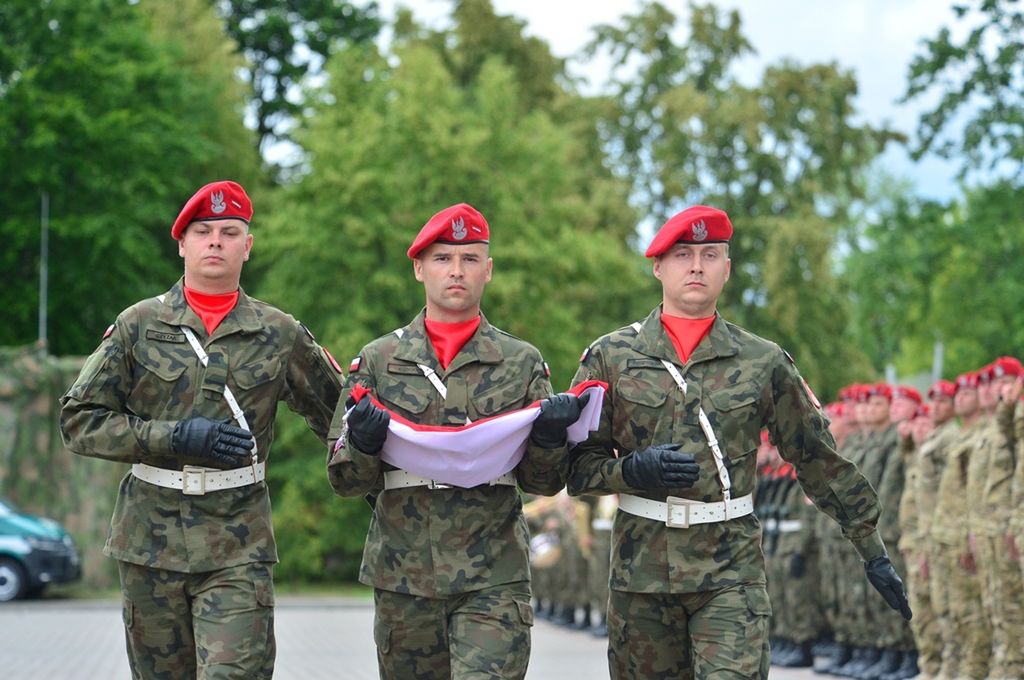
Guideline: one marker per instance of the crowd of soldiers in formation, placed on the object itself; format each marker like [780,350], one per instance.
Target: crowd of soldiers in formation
[949,473]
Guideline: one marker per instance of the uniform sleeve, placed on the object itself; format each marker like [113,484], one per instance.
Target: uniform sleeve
[1005,421]
[93,418]
[834,484]
[594,468]
[350,471]
[541,471]
[313,384]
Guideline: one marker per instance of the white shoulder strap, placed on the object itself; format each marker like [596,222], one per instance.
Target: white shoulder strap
[431,375]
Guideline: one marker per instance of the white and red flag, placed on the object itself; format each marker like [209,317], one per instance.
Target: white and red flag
[475,453]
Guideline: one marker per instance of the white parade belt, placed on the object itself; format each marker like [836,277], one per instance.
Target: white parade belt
[400,479]
[196,481]
[680,513]
[787,526]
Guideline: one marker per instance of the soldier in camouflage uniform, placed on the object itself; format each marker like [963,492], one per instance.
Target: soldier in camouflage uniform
[449,565]
[191,529]
[688,593]
[1001,577]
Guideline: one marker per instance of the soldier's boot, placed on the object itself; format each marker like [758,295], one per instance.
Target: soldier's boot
[566,616]
[546,610]
[585,622]
[780,648]
[825,645]
[908,669]
[840,656]
[600,629]
[870,658]
[887,663]
[800,656]
[856,659]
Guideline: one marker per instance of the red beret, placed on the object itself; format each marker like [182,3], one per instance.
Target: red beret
[221,200]
[907,392]
[965,380]
[697,224]
[459,224]
[878,390]
[1006,366]
[942,388]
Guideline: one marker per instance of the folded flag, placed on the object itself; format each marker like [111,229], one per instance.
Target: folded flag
[475,453]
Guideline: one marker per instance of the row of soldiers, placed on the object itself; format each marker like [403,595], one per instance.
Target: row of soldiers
[950,476]
[570,556]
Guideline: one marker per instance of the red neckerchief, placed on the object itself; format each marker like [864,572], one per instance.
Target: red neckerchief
[211,308]
[448,338]
[686,334]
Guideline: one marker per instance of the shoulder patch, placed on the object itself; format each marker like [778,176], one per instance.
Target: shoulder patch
[586,353]
[334,364]
[106,333]
[789,357]
[547,369]
[354,366]
[308,332]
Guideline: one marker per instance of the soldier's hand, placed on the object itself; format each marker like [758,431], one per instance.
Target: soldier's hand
[557,413]
[212,443]
[886,581]
[660,467]
[368,426]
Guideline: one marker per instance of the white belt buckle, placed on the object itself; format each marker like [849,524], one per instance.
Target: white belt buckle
[193,481]
[437,485]
[672,504]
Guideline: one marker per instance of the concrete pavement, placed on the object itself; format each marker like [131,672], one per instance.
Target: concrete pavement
[317,638]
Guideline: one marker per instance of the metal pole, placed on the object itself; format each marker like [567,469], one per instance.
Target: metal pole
[44,264]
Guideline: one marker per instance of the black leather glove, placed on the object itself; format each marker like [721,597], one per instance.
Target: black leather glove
[368,426]
[660,467]
[557,413]
[797,566]
[886,581]
[212,443]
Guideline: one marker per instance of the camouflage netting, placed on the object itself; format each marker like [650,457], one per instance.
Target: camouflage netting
[40,476]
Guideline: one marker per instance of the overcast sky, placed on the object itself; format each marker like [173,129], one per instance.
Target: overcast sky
[874,38]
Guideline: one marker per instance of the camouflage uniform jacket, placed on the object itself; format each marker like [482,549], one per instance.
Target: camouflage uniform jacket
[949,523]
[1017,486]
[890,483]
[744,383]
[977,475]
[145,377]
[929,461]
[997,501]
[441,542]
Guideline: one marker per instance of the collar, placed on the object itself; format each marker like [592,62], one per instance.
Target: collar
[482,347]
[175,311]
[653,341]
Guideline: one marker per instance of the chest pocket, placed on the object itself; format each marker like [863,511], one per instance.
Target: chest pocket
[256,386]
[160,381]
[507,396]
[407,394]
[735,418]
[639,410]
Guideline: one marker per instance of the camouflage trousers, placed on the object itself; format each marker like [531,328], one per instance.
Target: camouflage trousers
[892,631]
[471,636]
[1001,579]
[853,623]
[800,616]
[925,624]
[213,625]
[721,634]
[599,570]
[967,637]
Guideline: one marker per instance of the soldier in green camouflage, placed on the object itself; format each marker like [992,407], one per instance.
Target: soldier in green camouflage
[192,529]
[449,565]
[688,593]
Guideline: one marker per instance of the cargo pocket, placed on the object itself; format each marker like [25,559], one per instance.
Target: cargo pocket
[758,603]
[619,657]
[525,613]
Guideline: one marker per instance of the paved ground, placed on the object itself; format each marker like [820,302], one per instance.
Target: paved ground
[316,638]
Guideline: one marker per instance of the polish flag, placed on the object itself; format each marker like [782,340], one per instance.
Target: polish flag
[474,454]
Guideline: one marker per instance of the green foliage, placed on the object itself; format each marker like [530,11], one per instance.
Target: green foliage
[979,84]
[105,118]
[285,42]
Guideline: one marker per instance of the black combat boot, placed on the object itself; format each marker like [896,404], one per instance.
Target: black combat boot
[908,668]
[799,657]
[566,616]
[839,657]
[887,662]
[869,658]
[855,663]
[600,629]
[780,649]
[585,622]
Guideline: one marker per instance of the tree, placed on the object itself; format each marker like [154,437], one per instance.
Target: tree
[285,43]
[103,118]
[979,82]
[782,152]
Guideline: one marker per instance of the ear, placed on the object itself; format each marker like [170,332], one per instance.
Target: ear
[248,247]
[490,270]
[656,268]
[417,269]
[728,268]
[181,246]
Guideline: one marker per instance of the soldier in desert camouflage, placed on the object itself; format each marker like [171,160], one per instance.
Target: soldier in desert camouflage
[449,565]
[185,387]
[688,396]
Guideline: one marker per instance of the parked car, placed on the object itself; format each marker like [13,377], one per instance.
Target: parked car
[34,552]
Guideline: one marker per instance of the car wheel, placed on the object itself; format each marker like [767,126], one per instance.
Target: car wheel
[13,583]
